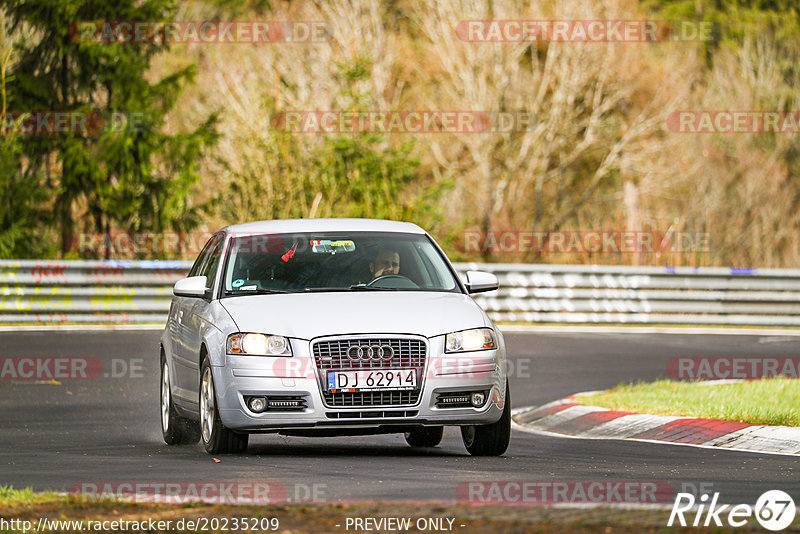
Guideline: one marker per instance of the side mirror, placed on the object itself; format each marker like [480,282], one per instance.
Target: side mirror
[479,282]
[194,286]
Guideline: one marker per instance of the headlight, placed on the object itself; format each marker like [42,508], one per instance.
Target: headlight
[259,345]
[469,340]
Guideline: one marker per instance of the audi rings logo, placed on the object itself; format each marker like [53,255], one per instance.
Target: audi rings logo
[372,352]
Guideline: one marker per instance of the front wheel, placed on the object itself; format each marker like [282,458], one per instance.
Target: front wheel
[217,439]
[425,436]
[492,439]
[176,430]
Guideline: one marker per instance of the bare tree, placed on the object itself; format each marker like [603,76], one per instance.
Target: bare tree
[589,102]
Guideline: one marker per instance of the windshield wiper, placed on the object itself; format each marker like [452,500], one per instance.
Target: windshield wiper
[324,289]
[358,287]
[354,287]
[257,291]
[264,291]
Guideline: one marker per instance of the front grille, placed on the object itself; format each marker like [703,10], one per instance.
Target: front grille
[332,355]
[371,398]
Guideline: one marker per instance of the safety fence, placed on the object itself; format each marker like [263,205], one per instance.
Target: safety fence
[40,291]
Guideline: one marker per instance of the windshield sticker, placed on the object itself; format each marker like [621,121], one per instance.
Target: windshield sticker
[238,282]
[332,247]
[248,288]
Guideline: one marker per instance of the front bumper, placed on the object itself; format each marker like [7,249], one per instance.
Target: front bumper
[243,376]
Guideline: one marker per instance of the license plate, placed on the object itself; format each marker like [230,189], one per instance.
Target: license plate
[372,379]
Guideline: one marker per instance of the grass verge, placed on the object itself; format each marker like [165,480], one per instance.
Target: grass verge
[10,497]
[26,505]
[770,401]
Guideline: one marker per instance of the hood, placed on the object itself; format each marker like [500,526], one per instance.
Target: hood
[310,315]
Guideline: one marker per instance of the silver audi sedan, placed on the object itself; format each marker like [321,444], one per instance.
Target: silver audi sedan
[331,327]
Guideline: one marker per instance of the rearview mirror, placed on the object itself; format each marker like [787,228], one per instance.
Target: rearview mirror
[480,282]
[194,286]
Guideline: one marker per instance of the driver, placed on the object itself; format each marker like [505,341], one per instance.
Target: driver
[386,261]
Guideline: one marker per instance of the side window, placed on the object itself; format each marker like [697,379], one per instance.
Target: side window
[209,269]
[437,269]
[426,269]
[201,259]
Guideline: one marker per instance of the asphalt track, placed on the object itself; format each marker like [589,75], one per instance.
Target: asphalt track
[107,429]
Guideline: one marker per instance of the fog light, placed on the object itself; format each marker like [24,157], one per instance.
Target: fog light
[257,404]
[477,399]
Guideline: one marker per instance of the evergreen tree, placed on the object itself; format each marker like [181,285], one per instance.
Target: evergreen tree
[133,176]
[20,221]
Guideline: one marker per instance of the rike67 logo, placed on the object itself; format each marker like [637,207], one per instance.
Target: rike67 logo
[774,510]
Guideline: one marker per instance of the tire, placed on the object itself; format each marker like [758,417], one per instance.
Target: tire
[492,439]
[216,438]
[177,430]
[425,436]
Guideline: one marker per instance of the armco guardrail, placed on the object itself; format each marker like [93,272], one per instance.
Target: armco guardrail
[87,291]
[623,294]
[140,292]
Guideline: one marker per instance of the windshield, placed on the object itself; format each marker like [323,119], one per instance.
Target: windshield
[327,261]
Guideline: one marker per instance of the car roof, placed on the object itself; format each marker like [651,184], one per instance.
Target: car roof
[323,225]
